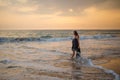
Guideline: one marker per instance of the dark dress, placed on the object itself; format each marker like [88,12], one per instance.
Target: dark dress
[75,44]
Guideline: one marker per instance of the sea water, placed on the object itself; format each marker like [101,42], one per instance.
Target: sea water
[50,50]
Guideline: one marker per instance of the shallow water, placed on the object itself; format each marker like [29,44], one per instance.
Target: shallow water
[50,59]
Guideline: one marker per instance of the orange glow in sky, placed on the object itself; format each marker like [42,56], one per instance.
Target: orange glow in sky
[59,14]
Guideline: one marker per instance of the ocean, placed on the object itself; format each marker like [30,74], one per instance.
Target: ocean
[54,35]
[45,54]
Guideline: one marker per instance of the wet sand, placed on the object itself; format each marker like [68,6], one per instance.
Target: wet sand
[48,62]
[13,71]
[90,73]
[110,62]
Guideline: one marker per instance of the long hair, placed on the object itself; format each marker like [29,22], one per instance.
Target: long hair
[75,33]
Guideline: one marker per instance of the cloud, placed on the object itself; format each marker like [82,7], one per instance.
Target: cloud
[109,4]
[66,8]
[60,13]
[53,6]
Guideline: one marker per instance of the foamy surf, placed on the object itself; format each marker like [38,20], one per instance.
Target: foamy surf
[83,61]
[51,39]
[35,54]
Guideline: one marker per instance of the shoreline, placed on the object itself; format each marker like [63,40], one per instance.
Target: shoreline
[81,72]
[51,63]
[110,63]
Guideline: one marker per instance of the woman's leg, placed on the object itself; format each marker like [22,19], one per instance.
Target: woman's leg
[73,54]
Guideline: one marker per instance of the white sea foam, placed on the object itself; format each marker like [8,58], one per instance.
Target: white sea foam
[88,62]
[40,50]
[98,36]
[52,39]
[117,77]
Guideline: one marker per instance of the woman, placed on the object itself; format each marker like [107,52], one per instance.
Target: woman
[75,43]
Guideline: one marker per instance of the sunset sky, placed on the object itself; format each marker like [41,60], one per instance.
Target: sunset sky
[59,14]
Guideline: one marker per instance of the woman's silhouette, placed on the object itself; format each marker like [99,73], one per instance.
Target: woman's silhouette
[75,43]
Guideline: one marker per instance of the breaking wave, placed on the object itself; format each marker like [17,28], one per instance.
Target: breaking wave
[51,39]
[88,62]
